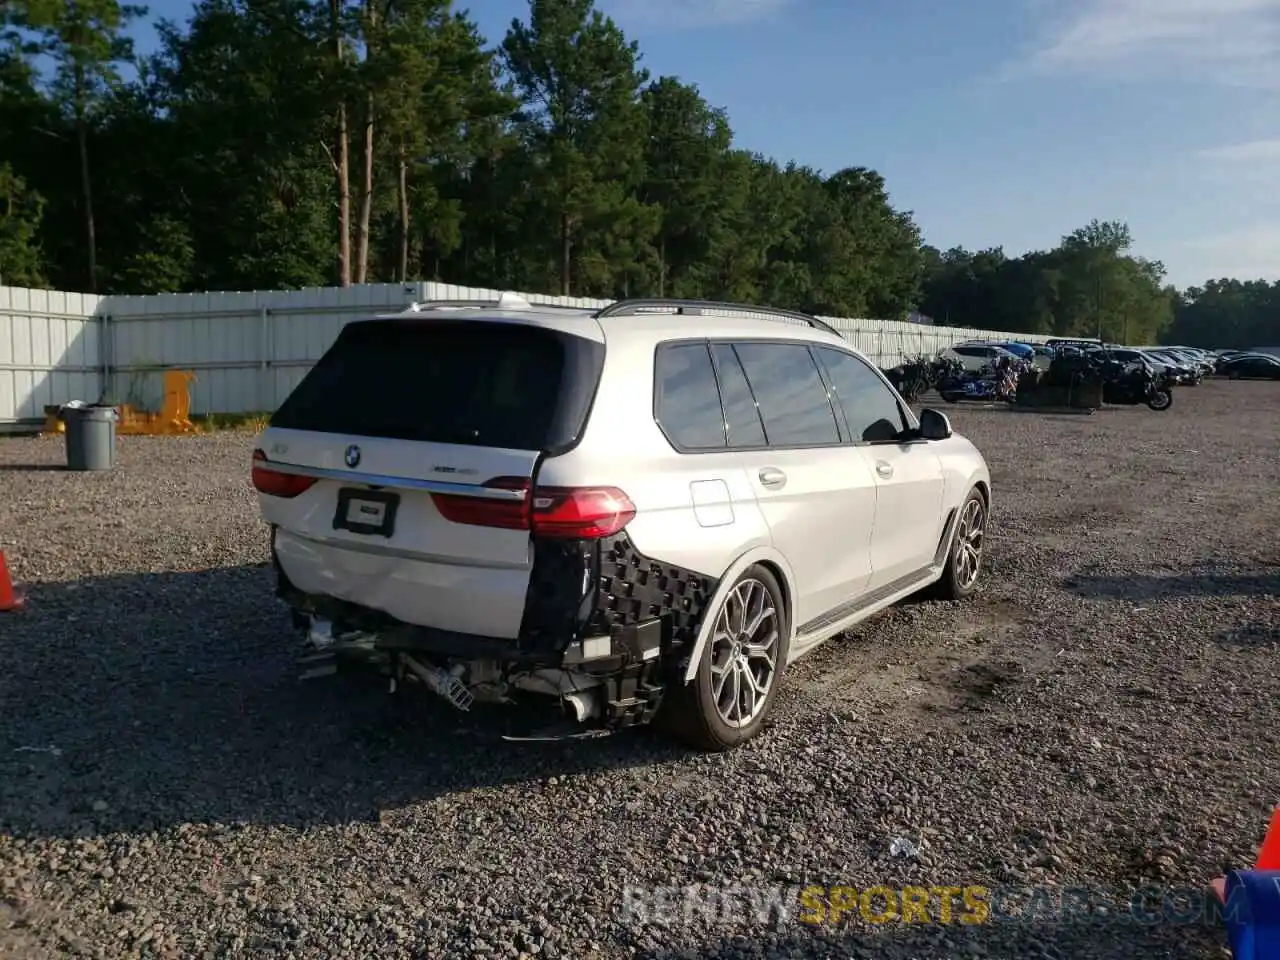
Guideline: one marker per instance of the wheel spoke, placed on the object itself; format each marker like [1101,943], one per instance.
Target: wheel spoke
[747,689]
[719,676]
[753,627]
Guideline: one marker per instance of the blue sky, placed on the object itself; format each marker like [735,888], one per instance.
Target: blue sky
[999,122]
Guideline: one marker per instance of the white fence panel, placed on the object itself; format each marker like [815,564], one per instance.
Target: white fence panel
[49,351]
[248,350]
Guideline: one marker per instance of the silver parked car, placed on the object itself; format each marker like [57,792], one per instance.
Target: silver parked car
[648,510]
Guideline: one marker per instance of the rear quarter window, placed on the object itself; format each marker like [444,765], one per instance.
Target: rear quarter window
[687,402]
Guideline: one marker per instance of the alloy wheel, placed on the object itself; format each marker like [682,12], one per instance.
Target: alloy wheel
[744,651]
[968,557]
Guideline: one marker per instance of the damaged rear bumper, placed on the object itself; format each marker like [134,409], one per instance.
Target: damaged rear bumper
[605,628]
[615,680]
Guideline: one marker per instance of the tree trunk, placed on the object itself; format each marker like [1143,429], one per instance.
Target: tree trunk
[366,197]
[366,181]
[566,252]
[341,172]
[662,265]
[342,158]
[402,198]
[82,144]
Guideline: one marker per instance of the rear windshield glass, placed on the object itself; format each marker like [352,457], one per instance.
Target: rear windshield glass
[472,383]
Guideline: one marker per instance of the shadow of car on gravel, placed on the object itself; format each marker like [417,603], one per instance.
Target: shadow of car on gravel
[1188,584]
[143,702]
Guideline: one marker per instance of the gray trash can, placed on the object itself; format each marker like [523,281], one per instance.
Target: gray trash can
[91,437]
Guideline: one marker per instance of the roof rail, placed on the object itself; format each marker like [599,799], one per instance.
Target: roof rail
[506,301]
[695,308]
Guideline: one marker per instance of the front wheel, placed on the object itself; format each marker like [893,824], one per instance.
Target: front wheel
[1161,399]
[741,668]
[964,564]
[950,396]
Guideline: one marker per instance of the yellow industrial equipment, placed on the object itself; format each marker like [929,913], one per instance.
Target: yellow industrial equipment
[175,410]
[174,416]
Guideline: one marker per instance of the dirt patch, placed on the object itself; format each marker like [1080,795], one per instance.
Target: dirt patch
[964,670]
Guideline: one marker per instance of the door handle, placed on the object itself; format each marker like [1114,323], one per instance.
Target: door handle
[884,469]
[772,477]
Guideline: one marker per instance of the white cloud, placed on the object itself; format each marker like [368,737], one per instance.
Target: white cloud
[1229,41]
[1247,254]
[1260,152]
[692,14]
[1248,171]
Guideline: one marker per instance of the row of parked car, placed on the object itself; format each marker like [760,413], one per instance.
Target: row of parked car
[1185,365]
[1246,365]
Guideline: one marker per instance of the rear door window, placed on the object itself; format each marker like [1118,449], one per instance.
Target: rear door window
[475,383]
[687,406]
[792,398]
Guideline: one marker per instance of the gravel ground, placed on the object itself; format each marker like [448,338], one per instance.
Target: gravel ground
[1103,714]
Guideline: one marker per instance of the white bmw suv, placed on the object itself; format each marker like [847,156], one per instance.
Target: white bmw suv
[646,511]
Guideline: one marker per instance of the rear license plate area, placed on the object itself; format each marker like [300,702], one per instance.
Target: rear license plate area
[368,512]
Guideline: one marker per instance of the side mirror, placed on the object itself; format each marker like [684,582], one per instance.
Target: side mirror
[934,425]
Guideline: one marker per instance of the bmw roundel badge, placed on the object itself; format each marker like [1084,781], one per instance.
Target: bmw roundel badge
[352,456]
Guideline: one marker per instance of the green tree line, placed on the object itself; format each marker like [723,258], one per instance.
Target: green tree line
[288,143]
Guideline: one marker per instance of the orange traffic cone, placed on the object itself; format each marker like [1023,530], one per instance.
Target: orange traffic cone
[1269,853]
[10,598]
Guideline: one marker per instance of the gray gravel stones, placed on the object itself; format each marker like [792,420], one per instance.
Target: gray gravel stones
[1103,714]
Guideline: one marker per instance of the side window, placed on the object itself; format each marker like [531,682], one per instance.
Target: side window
[792,397]
[969,351]
[740,413]
[870,408]
[688,401]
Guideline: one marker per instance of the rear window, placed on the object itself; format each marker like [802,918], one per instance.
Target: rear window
[475,383]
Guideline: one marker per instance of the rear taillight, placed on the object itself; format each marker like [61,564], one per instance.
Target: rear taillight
[564,513]
[485,511]
[580,513]
[274,483]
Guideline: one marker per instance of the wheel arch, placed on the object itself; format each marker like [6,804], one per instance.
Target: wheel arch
[984,488]
[775,563]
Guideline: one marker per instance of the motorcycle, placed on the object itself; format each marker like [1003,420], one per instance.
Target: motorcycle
[917,375]
[1136,385]
[910,378]
[999,385]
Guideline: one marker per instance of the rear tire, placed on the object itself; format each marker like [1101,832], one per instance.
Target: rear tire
[950,397]
[728,701]
[964,564]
